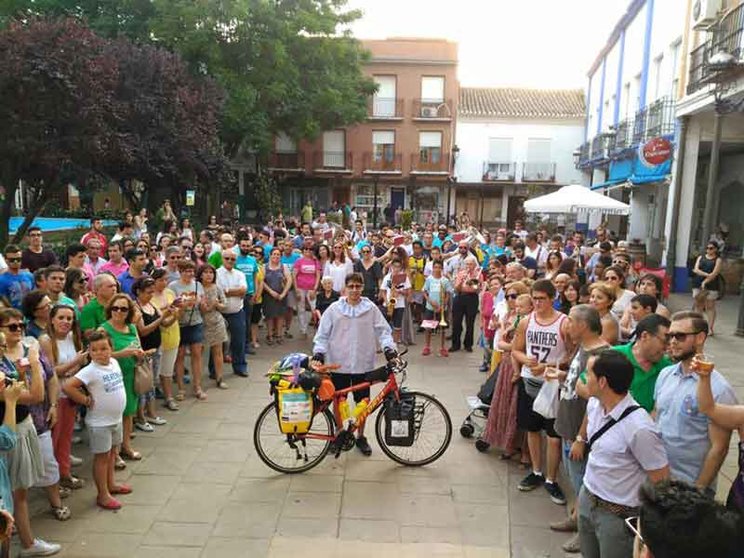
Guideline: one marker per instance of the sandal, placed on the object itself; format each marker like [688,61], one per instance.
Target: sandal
[171,404]
[64,492]
[112,504]
[157,421]
[61,513]
[130,455]
[200,395]
[72,483]
[269,340]
[121,489]
[180,396]
[221,384]
[120,464]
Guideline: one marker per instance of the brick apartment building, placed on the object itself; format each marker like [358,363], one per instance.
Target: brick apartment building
[403,151]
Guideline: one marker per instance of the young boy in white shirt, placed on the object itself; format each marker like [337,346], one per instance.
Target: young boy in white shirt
[105,401]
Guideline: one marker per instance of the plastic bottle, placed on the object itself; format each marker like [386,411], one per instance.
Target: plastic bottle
[343,408]
[360,407]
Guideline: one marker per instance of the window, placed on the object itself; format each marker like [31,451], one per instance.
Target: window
[430,147]
[636,93]
[284,144]
[333,149]
[384,100]
[626,101]
[432,89]
[383,146]
[656,91]
[499,166]
[674,69]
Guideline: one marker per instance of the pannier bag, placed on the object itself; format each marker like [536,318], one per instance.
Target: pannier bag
[400,424]
[294,407]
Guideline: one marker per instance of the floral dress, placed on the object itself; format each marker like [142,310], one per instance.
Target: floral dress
[215,331]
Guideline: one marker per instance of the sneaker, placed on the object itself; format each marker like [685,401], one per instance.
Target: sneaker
[157,421]
[426,351]
[483,367]
[573,545]
[556,494]
[40,548]
[144,426]
[75,461]
[568,525]
[363,446]
[531,482]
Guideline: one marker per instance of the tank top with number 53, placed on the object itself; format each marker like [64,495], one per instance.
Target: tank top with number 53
[544,342]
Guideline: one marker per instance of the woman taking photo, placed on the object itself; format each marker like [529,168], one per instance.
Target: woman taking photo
[215,332]
[170,335]
[615,278]
[602,297]
[190,295]
[36,307]
[277,282]
[148,327]
[63,347]
[706,284]
[119,325]
[25,463]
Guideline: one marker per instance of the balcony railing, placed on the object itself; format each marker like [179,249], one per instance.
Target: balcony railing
[660,119]
[333,161]
[600,146]
[623,137]
[585,153]
[392,163]
[726,37]
[538,172]
[432,109]
[422,163]
[639,126]
[499,171]
[385,108]
[282,160]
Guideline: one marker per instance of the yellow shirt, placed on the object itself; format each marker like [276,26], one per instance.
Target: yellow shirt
[416,267]
[259,279]
[170,336]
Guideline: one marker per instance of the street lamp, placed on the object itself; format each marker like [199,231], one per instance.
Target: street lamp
[451,179]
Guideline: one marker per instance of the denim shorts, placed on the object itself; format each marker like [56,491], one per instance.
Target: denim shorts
[192,335]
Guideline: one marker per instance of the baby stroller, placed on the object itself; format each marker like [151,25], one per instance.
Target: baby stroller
[479,405]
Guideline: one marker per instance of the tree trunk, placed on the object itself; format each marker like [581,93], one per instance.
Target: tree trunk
[40,199]
[6,208]
[134,201]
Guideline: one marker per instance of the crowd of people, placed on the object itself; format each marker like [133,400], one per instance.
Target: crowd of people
[173,309]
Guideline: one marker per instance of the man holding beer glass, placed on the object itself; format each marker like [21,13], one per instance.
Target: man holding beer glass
[695,445]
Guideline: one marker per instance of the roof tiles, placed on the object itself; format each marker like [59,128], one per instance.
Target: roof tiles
[512,102]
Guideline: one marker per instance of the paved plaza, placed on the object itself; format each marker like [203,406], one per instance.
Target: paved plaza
[201,491]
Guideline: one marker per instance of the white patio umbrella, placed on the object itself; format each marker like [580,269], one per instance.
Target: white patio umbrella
[576,198]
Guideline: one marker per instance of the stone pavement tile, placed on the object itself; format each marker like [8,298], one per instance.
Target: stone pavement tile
[312,504]
[191,511]
[224,451]
[484,524]
[372,470]
[132,519]
[60,532]
[210,471]
[487,552]
[261,490]
[104,545]
[167,552]
[308,547]
[201,492]
[218,547]
[237,431]
[369,530]
[421,534]
[316,483]
[248,520]
[151,489]
[210,411]
[172,441]
[429,550]
[491,494]
[410,484]
[535,511]
[198,425]
[177,534]
[369,500]
[532,541]
[168,461]
[427,510]
[311,527]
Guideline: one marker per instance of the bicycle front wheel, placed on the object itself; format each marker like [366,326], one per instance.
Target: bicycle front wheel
[433,432]
[291,453]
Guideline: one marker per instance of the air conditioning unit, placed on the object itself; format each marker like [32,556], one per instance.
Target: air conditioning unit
[705,13]
[429,112]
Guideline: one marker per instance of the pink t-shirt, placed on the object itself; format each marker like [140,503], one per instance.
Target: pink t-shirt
[114,268]
[306,269]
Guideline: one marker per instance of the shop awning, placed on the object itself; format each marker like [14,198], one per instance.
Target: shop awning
[608,183]
[574,198]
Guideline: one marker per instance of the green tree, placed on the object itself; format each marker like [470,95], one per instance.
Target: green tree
[286,65]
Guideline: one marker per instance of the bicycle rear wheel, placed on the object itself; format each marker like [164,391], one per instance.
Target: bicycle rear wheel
[433,432]
[290,453]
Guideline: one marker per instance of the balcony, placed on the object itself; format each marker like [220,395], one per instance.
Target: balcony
[600,147]
[660,118]
[499,172]
[724,37]
[538,172]
[436,110]
[623,137]
[285,161]
[639,126]
[385,108]
[329,162]
[428,163]
[585,151]
[388,163]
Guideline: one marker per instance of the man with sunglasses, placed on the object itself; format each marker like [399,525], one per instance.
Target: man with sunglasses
[15,283]
[234,285]
[696,445]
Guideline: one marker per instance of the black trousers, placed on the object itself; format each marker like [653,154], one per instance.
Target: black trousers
[464,305]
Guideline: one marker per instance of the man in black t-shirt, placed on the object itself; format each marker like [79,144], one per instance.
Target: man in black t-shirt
[527,262]
[36,256]
[371,271]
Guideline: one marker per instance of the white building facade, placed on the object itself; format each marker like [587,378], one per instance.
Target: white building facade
[631,131]
[514,143]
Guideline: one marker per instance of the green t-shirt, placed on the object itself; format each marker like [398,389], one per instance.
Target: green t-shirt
[215,259]
[644,383]
[93,315]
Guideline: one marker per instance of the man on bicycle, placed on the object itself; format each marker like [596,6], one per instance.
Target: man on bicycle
[345,337]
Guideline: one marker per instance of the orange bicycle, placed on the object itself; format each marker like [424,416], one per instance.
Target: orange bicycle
[414,429]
